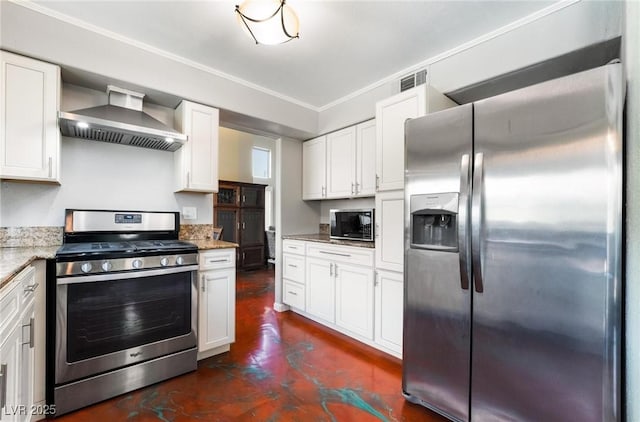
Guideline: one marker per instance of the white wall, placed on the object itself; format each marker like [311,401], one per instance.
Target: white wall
[293,215]
[631,43]
[31,33]
[101,175]
[235,162]
[356,203]
[575,26]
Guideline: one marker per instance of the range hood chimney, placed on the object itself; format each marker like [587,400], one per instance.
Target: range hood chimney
[122,121]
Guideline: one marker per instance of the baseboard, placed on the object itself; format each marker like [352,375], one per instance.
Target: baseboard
[280,307]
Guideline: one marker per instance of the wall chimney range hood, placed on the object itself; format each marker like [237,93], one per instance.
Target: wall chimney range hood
[122,121]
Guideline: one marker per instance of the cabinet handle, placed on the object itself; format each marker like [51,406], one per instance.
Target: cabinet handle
[377,230]
[238,225]
[377,182]
[3,386]
[323,192]
[204,279]
[188,179]
[211,261]
[352,188]
[293,293]
[243,225]
[243,255]
[331,269]
[294,266]
[31,331]
[50,167]
[336,253]
[244,199]
[335,270]
[357,187]
[31,287]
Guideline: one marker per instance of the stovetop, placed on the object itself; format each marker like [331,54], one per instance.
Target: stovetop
[138,247]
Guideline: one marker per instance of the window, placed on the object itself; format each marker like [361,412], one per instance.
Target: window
[261,163]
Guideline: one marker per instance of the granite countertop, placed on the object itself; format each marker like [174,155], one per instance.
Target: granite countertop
[324,238]
[14,260]
[206,244]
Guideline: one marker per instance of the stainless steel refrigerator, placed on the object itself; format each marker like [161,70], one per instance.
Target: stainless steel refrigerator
[513,228]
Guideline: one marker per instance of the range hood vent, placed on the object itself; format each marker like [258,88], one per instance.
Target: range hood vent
[122,121]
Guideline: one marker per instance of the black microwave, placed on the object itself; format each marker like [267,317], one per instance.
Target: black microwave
[352,224]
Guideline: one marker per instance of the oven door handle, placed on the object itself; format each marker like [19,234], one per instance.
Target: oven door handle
[124,275]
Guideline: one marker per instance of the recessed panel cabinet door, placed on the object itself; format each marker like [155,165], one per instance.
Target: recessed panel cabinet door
[320,289]
[341,161]
[217,308]
[389,305]
[366,158]
[10,351]
[29,135]
[390,231]
[252,227]
[354,298]
[314,168]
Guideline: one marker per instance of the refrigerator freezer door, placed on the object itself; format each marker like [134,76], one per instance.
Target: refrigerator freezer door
[436,348]
[546,327]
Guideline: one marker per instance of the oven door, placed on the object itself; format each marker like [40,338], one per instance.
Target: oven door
[109,321]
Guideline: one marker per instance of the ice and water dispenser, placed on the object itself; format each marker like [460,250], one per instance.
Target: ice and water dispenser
[434,221]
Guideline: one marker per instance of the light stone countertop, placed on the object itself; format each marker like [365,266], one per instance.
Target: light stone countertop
[14,260]
[206,244]
[324,238]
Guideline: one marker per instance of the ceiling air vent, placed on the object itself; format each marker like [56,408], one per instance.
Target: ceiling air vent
[413,80]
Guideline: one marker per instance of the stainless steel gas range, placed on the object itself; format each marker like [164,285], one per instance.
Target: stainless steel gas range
[124,306]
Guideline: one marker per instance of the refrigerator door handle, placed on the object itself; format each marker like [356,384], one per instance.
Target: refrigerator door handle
[463,222]
[476,220]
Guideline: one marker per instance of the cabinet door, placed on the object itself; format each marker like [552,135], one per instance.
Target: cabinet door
[251,257]
[390,231]
[389,306]
[314,166]
[229,220]
[391,114]
[10,353]
[27,359]
[252,196]
[341,161]
[227,196]
[216,321]
[366,158]
[320,289]
[29,102]
[251,227]
[197,160]
[354,299]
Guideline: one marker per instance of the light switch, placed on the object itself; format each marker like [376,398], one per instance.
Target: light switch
[189,213]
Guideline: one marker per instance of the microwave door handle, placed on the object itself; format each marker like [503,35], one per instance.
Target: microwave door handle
[463,222]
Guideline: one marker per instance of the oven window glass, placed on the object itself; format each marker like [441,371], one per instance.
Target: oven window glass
[109,316]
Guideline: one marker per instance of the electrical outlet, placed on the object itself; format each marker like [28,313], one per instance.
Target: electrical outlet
[189,213]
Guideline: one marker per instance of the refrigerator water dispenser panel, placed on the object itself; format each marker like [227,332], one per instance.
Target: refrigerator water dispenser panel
[434,221]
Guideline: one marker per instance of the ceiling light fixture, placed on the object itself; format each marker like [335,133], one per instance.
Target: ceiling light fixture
[268,21]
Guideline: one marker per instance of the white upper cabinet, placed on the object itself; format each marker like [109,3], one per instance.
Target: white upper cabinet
[29,135]
[390,231]
[314,168]
[391,114]
[196,163]
[341,163]
[366,158]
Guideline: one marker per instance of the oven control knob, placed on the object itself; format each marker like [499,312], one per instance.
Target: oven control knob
[86,267]
[164,262]
[179,260]
[106,266]
[137,263]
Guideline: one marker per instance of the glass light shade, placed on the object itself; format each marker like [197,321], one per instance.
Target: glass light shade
[268,21]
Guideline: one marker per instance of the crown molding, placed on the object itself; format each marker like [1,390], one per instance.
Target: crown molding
[154,50]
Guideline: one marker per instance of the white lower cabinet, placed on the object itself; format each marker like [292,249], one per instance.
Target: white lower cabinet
[216,302]
[354,298]
[320,289]
[21,381]
[294,294]
[389,306]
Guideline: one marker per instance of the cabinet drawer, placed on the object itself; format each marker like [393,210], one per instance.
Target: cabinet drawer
[293,267]
[293,246]
[15,296]
[293,294]
[346,254]
[217,258]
